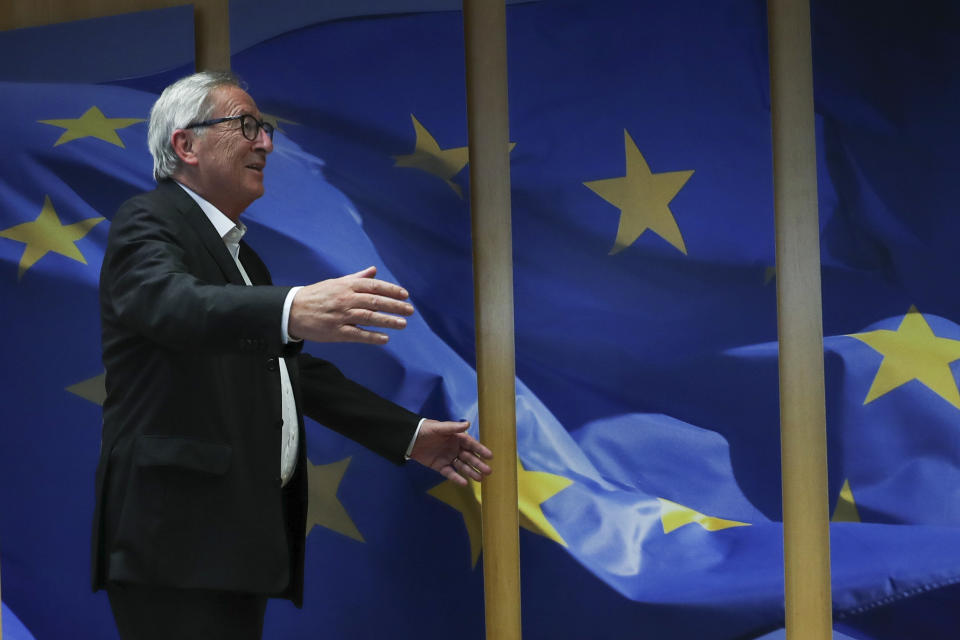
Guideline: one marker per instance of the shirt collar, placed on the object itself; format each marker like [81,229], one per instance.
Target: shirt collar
[227,229]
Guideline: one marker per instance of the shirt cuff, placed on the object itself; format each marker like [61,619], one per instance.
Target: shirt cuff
[285,320]
[413,440]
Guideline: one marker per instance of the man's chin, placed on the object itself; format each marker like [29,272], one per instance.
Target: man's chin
[249,195]
[256,189]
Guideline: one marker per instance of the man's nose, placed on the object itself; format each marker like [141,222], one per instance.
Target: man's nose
[263,141]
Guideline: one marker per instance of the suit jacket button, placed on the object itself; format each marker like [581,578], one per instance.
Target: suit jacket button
[272,364]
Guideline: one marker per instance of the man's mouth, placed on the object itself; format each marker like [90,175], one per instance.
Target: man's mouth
[256,167]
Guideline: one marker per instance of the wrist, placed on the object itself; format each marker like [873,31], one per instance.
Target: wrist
[413,440]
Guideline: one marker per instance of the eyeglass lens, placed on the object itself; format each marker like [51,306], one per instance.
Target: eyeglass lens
[251,128]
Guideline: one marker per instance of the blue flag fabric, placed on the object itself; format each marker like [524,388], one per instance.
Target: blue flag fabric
[53,201]
[13,629]
[646,335]
[655,354]
[157,45]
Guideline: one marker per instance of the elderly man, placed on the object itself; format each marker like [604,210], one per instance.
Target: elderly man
[201,487]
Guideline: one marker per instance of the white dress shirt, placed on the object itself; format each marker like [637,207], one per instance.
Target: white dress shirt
[232,233]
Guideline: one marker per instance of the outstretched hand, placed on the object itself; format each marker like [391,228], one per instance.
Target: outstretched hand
[448,448]
[335,310]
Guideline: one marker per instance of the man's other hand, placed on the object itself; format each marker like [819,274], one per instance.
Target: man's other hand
[335,310]
[448,448]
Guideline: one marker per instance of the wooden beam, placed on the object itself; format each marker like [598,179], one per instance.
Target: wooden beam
[488,125]
[803,442]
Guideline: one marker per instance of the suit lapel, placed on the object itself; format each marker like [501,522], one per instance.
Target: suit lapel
[204,229]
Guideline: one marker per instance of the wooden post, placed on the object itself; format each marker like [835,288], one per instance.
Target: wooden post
[487,119]
[806,524]
[211,24]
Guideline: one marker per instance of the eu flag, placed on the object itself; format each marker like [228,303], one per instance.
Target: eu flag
[646,334]
[646,321]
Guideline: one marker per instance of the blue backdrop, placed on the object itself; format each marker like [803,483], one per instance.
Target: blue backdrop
[645,316]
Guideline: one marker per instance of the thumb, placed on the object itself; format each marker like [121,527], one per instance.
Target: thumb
[369,272]
[457,427]
[446,427]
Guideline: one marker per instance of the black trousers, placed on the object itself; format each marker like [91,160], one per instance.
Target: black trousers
[145,612]
[162,613]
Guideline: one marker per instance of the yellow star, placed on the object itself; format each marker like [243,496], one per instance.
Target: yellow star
[46,234]
[325,509]
[533,488]
[92,389]
[673,516]
[913,352]
[643,198]
[846,510]
[428,156]
[92,124]
[466,500]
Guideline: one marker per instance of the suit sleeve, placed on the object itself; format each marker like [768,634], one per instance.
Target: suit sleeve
[150,285]
[351,409]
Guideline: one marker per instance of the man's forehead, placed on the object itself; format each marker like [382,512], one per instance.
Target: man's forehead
[231,101]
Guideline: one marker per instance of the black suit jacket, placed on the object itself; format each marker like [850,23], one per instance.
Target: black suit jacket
[188,483]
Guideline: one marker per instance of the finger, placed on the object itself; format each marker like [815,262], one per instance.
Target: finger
[453,427]
[382,303]
[465,469]
[451,475]
[350,333]
[475,462]
[369,318]
[380,287]
[482,451]
[369,272]
[475,446]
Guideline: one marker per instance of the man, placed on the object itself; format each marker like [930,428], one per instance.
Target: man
[201,487]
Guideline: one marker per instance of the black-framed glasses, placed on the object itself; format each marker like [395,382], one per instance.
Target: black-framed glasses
[249,126]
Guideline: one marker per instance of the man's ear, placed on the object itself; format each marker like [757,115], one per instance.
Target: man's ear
[182,143]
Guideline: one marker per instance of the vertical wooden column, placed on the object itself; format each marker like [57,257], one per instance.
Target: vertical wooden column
[211,24]
[803,443]
[486,60]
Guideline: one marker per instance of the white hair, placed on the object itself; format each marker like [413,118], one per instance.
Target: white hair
[185,101]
